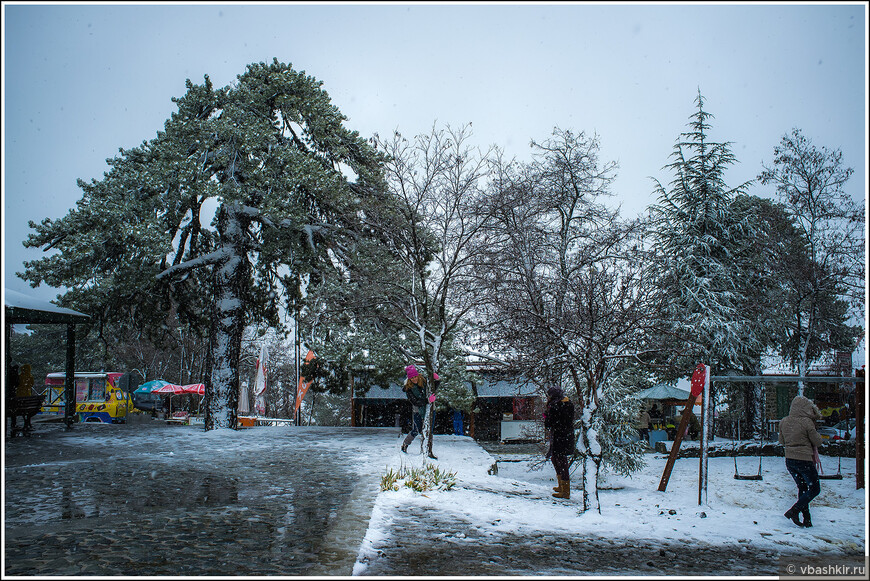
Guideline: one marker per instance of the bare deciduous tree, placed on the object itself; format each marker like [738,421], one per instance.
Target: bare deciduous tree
[438,178]
[566,281]
[810,182]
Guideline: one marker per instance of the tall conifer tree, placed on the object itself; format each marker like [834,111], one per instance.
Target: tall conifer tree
[700,234]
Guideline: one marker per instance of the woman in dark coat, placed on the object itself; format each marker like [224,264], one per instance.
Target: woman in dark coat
[559,421]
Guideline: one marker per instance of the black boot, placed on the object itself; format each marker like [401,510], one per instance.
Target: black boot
[793,513]
[806,514]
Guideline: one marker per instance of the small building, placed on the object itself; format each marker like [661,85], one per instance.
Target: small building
[505,408]
[826,396]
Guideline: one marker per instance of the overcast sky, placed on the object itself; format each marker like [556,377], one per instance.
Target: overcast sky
[81,81]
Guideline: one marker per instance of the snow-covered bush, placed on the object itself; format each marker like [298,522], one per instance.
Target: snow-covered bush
[427,477]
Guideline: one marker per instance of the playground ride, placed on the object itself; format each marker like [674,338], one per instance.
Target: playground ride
[97,395]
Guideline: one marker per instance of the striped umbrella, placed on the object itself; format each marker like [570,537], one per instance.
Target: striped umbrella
[172,389]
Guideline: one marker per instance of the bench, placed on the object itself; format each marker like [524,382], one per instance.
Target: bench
[25,406]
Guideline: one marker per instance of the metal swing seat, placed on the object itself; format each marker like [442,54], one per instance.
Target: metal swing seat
[837,476]
[737,474]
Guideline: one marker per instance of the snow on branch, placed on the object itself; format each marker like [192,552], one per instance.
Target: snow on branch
[486,356]
[212,258]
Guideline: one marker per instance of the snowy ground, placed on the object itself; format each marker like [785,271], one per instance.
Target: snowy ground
[507,518]
[108,500]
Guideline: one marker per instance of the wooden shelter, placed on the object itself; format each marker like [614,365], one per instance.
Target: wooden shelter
[22,309]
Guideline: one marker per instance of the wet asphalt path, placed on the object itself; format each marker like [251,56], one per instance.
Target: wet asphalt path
[429,544]
[104,500]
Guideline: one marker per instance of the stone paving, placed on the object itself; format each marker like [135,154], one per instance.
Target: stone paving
[123,500]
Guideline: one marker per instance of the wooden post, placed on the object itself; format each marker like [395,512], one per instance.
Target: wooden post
[675,448]
[860,394]
[352,404]
[69,390]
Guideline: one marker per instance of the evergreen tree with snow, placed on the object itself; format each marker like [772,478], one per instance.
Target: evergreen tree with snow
[295,193]
[615,422]
[700,234]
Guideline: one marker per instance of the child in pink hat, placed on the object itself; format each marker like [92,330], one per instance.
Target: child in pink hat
[416,391]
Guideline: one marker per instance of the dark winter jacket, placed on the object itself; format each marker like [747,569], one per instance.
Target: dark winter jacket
[559,419]
[416,393]
[694,425]
[797,431]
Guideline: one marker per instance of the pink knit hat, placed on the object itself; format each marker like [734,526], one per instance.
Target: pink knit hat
[411,372]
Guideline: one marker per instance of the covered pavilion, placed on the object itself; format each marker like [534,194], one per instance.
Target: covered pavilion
[22,309]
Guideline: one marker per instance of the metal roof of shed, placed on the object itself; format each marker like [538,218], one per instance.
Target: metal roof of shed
[21,308]
[486,388]
[663,391]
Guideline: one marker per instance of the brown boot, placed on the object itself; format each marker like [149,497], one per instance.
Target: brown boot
[566,489]
[559,487]
[408,439]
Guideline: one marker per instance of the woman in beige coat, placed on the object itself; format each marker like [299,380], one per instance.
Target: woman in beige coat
[797,432]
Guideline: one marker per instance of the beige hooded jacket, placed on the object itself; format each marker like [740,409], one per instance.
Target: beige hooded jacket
[797,431]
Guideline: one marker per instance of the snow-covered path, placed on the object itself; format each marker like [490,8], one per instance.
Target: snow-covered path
[508,524]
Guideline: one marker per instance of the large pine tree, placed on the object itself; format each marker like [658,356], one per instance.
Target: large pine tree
[704,232]
[700,234]
[294,192]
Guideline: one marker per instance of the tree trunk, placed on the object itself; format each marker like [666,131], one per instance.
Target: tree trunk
[429,423]
[229,321]
[753,396]
[805,346]
[590,455]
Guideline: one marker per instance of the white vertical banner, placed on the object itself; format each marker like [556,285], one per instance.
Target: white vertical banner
[244,405]
[260,382]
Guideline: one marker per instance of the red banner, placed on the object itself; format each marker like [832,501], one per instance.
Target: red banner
[699,377]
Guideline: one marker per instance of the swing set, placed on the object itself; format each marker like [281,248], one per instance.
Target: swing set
[702,380]
[740,379]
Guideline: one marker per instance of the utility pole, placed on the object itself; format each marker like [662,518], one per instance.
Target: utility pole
[297,414]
